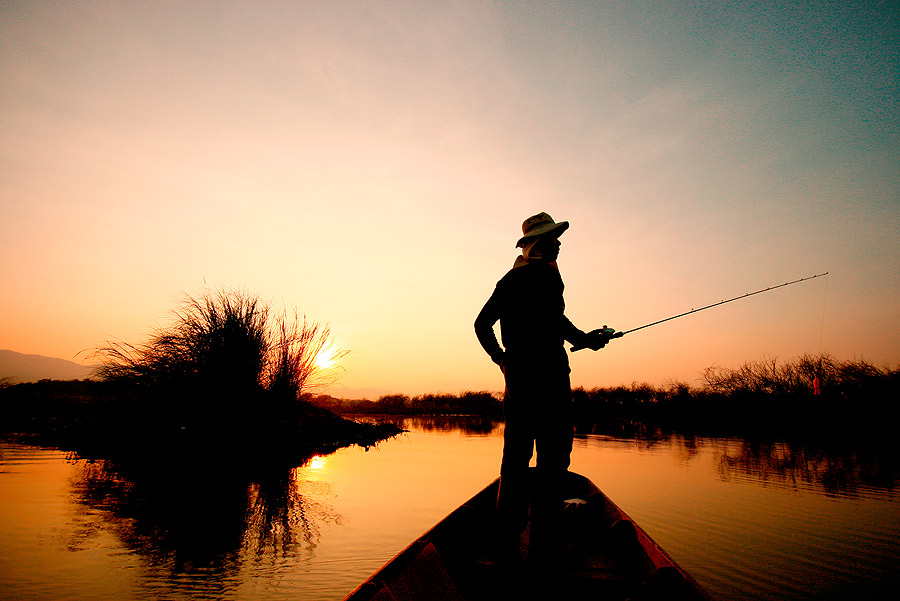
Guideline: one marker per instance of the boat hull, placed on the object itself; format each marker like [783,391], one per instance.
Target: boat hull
[597,551]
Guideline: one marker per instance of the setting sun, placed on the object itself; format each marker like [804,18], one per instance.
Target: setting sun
[324,359]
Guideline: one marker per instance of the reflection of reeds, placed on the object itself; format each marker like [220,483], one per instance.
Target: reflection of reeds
[862,468]
[196,526]
[285,514]
[468,425]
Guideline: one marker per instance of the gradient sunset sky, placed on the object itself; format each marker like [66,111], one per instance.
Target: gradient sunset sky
[370,163]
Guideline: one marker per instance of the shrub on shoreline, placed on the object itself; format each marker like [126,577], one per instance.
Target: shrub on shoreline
[224,341]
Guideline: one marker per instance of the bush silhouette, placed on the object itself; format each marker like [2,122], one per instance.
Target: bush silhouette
[226,365]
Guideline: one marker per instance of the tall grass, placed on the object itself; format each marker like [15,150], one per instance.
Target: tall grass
[217,341]
[808,393]
[803,377]
[292,354]
[226,362]
[225,340]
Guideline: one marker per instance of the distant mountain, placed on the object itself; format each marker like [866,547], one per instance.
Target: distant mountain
[31,368]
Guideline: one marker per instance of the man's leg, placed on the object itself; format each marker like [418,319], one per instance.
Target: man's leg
[554,439]
[512,496]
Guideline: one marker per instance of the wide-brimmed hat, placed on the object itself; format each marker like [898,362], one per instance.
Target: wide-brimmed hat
[541,224]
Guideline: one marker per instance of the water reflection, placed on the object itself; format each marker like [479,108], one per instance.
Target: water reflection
[625,429]
[843,470]
[189,521]
[285,515]
[467,425]
[746,517]
[834,465]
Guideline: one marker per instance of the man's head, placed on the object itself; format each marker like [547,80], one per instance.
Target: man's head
[541,237]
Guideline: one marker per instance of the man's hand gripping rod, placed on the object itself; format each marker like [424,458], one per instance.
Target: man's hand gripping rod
[610,333]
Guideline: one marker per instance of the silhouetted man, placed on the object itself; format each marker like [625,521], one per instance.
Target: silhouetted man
[528,303]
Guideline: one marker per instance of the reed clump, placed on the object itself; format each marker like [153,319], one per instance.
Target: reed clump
[224,341]
[805,376]
[230,372]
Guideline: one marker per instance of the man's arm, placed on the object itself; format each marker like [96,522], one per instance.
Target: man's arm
[484,329]
[573,334]
[594,340]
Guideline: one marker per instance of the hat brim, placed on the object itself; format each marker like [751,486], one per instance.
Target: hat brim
[555,230]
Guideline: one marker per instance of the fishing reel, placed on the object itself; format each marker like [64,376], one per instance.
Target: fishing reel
[609,333]
[604,334]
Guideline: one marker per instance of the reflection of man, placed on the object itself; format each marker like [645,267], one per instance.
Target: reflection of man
[528,303]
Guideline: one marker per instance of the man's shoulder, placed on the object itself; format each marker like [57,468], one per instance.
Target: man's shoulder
[529,272]
[531,269]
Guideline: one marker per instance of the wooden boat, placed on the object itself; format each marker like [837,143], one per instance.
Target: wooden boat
[600,554]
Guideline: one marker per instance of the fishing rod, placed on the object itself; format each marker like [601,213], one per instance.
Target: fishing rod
[611,333]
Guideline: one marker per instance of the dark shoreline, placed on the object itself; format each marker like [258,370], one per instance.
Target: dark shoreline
[816,439]
[812,398]
[104,420]
[810,395]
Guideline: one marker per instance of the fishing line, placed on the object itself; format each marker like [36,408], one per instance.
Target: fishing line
[824,302]
[610,333]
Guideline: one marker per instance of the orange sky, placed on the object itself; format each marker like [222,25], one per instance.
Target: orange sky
[370,163]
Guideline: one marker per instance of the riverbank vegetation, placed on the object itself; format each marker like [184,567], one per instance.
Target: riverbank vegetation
[768,396]
[228,374]
[805,394]
[225,379]
[483,403]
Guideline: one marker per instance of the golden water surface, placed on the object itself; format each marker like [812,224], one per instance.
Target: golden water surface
[749,521]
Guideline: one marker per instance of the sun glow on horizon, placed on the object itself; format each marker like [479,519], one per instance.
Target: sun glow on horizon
[325,359]
[316,463]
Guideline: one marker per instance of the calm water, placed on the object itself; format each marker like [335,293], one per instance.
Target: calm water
[748,521]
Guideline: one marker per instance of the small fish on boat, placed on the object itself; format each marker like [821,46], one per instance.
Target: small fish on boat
[600,554]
